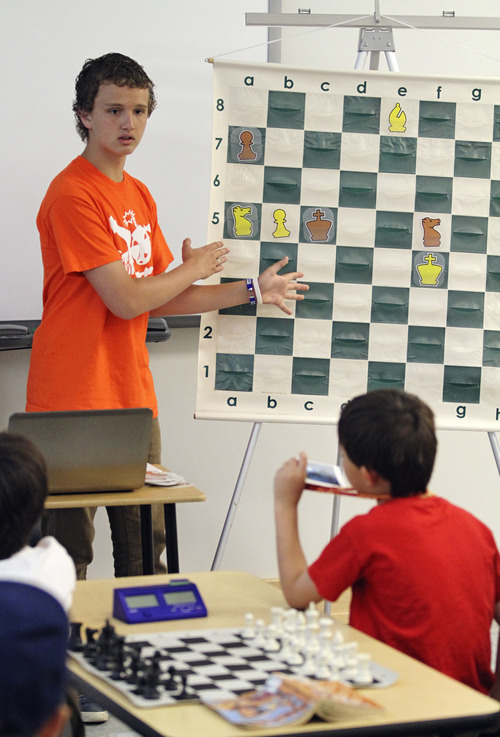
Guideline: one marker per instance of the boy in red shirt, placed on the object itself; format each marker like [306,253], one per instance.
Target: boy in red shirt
[425,574]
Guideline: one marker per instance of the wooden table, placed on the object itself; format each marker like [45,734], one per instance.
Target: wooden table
[169,496]
[422,701]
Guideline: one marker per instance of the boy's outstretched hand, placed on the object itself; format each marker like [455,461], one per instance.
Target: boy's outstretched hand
[207,260]
[290,481]
[276,288]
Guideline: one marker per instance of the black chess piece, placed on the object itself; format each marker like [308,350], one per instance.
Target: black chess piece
[140,684]
[183,695]
[90,650]
[135,667]
[171,683]
[108,632]
[155,663]
[106,644]
[150,689]
[119,670]
[75,642]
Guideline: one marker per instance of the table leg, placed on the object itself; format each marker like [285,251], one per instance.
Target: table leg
[148,567]
[171,538]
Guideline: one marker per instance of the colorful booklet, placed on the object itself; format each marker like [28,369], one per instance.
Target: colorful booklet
[324,475]
[293,700]
[332,479]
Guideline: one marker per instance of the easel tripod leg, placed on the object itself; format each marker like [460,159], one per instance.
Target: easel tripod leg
[495,448]
[236,496]
[334,528]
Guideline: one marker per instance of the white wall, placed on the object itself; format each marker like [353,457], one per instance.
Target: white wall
[43,43]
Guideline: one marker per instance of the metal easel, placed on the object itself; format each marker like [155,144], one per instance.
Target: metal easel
[375,37]
[371,42]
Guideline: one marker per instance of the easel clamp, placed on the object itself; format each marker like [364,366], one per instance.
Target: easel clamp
[376,39]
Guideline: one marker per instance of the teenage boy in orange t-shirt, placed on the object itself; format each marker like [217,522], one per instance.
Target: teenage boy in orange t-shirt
[105,259]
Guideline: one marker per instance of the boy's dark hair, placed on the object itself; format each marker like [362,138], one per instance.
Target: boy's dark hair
[111,68]
[23,488]
[393,433]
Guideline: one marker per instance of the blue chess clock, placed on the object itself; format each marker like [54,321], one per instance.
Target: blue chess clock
[177,599]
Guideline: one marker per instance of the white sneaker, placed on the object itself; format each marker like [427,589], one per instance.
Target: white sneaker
[90,712]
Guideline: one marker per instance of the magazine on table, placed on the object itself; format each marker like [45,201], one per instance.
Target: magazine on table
[292,700]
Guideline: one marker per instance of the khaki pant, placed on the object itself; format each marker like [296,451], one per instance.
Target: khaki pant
[74,528]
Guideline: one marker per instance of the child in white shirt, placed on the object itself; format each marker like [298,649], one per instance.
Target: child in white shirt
[23,489]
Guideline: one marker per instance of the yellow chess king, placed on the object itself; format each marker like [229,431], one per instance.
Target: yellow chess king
[429,272]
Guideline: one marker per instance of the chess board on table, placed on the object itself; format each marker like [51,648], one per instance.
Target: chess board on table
[384,190]
[196,665]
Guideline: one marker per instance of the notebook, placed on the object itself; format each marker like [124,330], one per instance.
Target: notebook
[90,450]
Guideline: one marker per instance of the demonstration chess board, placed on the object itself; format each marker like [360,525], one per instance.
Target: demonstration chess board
[384,190]
[168,668]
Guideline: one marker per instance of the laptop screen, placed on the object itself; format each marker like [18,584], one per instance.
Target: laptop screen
[90,450]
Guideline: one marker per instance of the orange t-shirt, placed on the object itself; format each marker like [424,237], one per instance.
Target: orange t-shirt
[83,356]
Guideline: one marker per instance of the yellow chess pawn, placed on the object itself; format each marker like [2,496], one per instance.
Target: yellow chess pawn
[397,119]
[280,220]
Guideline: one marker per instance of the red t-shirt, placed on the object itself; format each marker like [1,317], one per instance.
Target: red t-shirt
[83,356]
[425,578]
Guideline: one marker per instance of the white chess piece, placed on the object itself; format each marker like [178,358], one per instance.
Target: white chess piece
[249,630]
[364,675]
[290,621]
[326,625]
[312,614]
[339,656]
[338,638]
[323,670]
[271,644]
[286,649]
[295,657]
[260,639]
[335,673]
[277,614]
[351,664]
[312,633]
[301,618]
[325,641]
[309,665]
[300,635]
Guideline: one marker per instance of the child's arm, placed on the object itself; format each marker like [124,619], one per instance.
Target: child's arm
[495,691]
[298,587]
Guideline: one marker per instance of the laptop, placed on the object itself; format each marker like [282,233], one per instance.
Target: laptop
[90,450]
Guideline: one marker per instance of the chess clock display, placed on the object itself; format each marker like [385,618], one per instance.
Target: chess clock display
[177,599]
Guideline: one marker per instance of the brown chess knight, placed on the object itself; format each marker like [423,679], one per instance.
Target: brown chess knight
[432,237]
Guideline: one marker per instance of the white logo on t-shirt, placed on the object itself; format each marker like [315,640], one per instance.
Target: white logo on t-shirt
[137,241]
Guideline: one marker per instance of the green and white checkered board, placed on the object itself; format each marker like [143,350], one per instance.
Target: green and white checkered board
[384,190]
